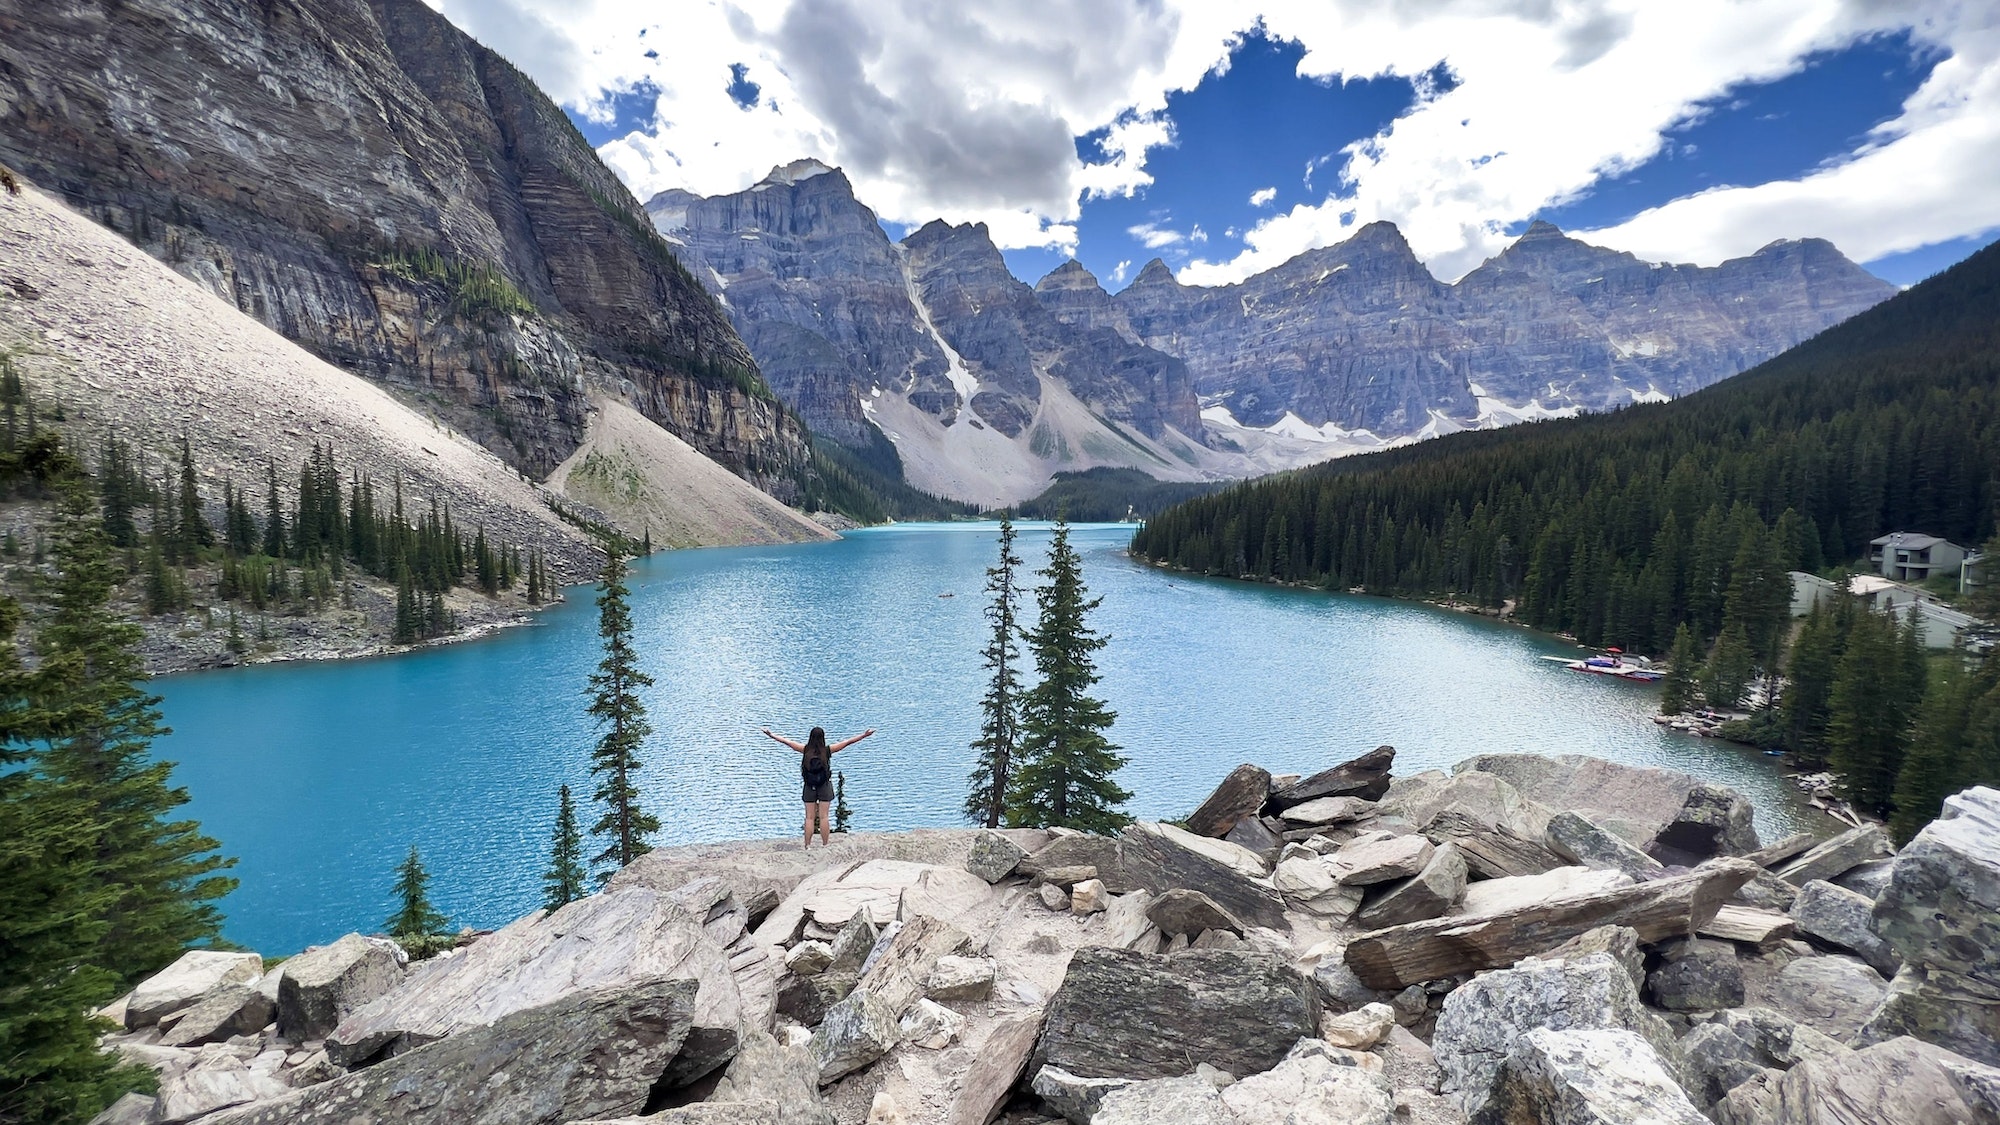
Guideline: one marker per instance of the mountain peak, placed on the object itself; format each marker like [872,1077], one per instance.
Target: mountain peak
[1069,275]
[803,169]
[1541,228]
[1156,272]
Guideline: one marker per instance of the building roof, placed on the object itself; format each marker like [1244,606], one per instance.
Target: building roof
[1865,584]
[1908,540]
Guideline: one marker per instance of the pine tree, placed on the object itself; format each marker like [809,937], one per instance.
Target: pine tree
[52,921]
[416,924]
[1870,711]
[1934,767]
[274,513]
[566,879]
[617,707]
[1679,690]
[121,490]
[841,813]
[535,577]
[1809,686]
[161,873]
[1732,663]
[1000,727]
[189,522]
[1063,775]
[408,622]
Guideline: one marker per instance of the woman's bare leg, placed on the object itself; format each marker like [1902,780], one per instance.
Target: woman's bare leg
[812,808]
[825,824]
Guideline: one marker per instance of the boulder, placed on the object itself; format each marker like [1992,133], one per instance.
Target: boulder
[1942,907]
[855,1032]
[129,1109]
[961,978]
[1696,976]
[1316,1084]
[1979,1087]
[1358,1030]
[620,938]
[1379,857]
[1766,891]
[1474,798]
[1484,1018]
[231,1009]
[1122,1014]
[1903,1081]
[1366,777]
[900,971]
[808,958]
[1254,835]
[1073,1096]
[1491,851]
[1053,897]
[1748,926]
[1183,1101]
[1307,883]
[1340,990]
[321,987]
[1738,1044]
[930,1025]
[1598,1076]
[1427,894]
[1126,924]
[994,857]
[888,889]
[596,1053]
[1868,879]
[805,1000]
[767,1081]
[1939,1008]
[1517,892]
[1328,810]
[852,945]
[213,1084]
[1838,918]
[1160,858]
[184,982]
[1670,815]
[1579,839]
[1834,857]
[1105,853]
[1832,995]
[996,1068]
[1240,796]
[1773,854]
[1064,877]
[1621,942]
[1087,897]
[1190,912]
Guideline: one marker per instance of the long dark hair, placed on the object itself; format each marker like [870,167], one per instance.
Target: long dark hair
[816,742]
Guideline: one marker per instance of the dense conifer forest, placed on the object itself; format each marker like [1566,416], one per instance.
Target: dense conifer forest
[1673,526]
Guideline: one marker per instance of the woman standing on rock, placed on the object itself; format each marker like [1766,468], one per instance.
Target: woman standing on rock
[816,769]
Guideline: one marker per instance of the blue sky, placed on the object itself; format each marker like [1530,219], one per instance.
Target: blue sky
[1225,136]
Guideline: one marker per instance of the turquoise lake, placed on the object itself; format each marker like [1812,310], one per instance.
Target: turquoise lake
[320,776]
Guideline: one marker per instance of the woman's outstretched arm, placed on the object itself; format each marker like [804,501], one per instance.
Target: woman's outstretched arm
[846,742]
[798,746]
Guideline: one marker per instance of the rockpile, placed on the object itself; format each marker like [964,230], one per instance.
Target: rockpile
[1521,940]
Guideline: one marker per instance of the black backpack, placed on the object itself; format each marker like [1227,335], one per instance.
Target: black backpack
[813,767]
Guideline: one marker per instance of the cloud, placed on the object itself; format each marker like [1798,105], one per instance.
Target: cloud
[1154,237]
[974,113]
[1263,196]
[1120,271]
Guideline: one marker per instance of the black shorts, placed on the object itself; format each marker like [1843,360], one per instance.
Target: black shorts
[816,794]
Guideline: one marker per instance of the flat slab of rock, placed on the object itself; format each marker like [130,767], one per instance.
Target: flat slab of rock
[1900,1081]
[611,940]
[1497,896]
[1747,924]
[995,1069]
[1161,858]
[1181,911]
[1734,1046]
[1328,810]
[1422,951]
[213,1085]
[1837,917]
[1578,839]
[1105,853]
[1942,906]
[1121,1014]
[1484,1020]
[1366,777]
[232,1009]
[1480,798]
[1379,858]
[1491,851]
[1241,795]
[592,1054]
[888,889]
[321,987]
[1315,1084]
[1183,1101]
[182,983]
[1832,995]
[1604,1076]
[1777,852]
[1938,1008]
[1834,857]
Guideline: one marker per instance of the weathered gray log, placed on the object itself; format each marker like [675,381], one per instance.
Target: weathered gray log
[1241,794]
[1400,956]
[1491,851]
[1366,777]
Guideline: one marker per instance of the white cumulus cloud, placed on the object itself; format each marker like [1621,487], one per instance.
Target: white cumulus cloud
[1263,196]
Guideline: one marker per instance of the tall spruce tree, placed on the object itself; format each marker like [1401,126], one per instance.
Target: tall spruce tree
[162,873]
[1000,708]
[617,707]
[1732,664]
[566,879]
[1680,688]
[1063,772]
[192,526]
[1806,707]
[1941,759]
[416,924]
[1871,710]
[52,922]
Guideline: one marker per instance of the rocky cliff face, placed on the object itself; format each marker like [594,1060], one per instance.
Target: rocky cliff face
[1361,336]
[367,180]
[984,391]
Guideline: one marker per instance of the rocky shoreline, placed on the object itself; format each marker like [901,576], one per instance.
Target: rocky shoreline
[1525,939]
